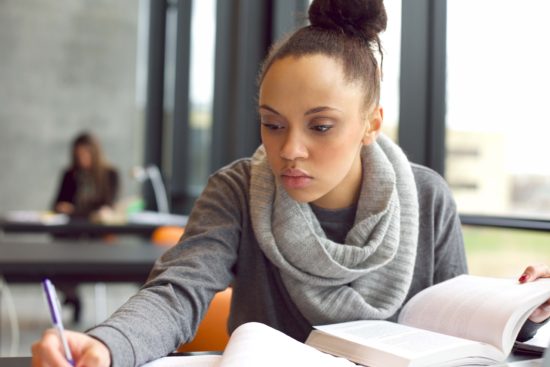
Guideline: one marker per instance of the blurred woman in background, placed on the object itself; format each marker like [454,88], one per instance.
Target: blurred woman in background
[90,183]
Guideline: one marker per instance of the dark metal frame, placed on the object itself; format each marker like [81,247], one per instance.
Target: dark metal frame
[180,197]
[506,222]
[154,109]
[422,83]
[242,42]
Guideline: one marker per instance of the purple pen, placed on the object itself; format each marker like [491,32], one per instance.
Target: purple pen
[53,304]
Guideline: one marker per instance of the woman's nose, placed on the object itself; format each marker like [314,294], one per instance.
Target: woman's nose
[293,147]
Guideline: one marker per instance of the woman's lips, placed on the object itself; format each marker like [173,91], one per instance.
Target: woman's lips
[295,178]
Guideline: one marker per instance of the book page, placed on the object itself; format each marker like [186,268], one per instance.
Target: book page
[529,363]
[381,343]
[489,310]
[254,344]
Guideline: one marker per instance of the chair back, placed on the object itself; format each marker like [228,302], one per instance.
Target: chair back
[167,235]
[212,333]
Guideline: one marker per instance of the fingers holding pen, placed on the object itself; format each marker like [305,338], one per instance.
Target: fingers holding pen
[48,351]
[87,351]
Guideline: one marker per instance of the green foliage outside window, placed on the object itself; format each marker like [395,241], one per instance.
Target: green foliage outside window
[504,252]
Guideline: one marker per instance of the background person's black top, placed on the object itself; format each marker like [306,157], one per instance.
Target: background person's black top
[78,188]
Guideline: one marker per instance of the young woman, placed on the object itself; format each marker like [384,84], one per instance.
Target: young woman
[90,183]
[327,221]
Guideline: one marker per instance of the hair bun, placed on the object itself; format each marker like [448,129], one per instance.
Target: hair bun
[364,18]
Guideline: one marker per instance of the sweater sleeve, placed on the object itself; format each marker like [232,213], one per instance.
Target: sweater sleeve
[439,225]
[169,307]
[67,189]
[529,329]
[450,255]
[114,187]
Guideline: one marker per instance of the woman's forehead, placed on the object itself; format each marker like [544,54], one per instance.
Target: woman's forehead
[318,79]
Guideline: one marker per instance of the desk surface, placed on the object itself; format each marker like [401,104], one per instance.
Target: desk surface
[142,223]
[78,261]
[78,228]
[15,361]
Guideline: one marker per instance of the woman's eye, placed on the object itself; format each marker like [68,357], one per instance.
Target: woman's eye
[271,126]
[321,128]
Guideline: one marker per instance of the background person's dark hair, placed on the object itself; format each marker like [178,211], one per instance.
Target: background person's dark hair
[346,30]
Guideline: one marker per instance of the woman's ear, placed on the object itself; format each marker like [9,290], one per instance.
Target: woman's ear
[374,125]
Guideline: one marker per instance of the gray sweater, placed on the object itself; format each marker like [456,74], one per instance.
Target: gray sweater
[219,248]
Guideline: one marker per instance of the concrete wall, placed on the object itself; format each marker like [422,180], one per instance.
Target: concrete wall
[65,66]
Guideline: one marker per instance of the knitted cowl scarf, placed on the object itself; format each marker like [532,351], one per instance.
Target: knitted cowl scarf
[369,275]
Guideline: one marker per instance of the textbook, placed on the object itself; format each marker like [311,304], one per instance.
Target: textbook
[467,320]
[254,344]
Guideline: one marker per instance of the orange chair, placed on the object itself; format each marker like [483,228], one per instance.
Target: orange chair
[212,332]
[167,235]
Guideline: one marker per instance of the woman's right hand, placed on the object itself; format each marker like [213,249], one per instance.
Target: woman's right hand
[86,351]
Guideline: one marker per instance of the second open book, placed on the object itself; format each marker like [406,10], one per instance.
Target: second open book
[467,320]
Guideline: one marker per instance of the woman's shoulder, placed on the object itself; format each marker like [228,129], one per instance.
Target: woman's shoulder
[68,173]
[430,184]
[227,190]
[238,170]
[425,174]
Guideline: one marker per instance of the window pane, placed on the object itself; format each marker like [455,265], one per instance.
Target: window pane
[203,33]
[65,66]
[391,42]
[497,119]
[504,252]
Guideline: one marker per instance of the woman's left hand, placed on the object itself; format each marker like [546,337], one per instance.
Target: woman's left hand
[530,274]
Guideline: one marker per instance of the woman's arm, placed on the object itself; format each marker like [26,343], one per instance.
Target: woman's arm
[169,307]
[64,201]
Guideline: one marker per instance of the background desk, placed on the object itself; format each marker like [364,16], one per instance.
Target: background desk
[78,261]
[143,224]
[79,228]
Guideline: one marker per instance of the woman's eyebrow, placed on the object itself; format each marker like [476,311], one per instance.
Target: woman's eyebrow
[308,112]
[271,109]
[320,109]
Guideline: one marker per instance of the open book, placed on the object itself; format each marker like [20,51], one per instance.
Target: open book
[253,345]
[467,320]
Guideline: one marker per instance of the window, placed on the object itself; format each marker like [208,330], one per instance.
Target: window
[497,127]
[504,252]
[497,120]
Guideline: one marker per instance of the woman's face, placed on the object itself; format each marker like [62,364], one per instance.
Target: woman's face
[313,128]
[83,156]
